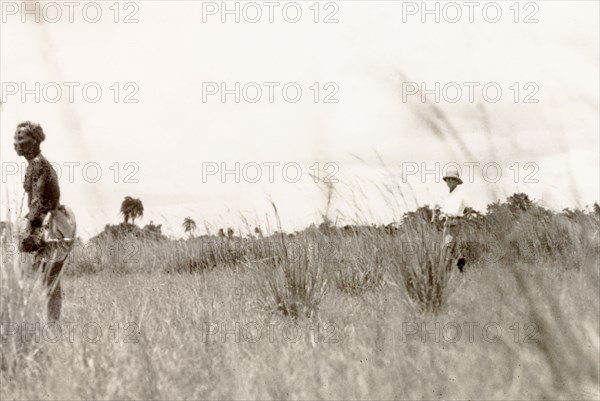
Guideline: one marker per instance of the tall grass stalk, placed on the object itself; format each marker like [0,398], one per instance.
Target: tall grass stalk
[296,283]
[421,267]
[23,298]
[569,346]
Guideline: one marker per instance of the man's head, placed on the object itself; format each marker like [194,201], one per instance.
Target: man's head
[452,178]
[452,183]
[28,137]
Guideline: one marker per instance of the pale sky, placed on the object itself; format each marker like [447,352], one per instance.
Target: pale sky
[168,135]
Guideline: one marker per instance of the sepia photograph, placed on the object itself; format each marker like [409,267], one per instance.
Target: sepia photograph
[300,200]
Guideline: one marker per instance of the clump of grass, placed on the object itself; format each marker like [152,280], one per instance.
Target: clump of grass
[420,266]
[362,267]
[296,286]
[296,283]
[569,346]
[22,303]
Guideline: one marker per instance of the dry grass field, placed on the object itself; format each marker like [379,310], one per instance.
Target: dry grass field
[323,314]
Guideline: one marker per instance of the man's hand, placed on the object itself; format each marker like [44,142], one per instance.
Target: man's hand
[27,244]
[31,243]
[435,213]
[35,222]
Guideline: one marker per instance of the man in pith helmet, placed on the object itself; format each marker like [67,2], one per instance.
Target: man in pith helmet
[50,226]
[452,211]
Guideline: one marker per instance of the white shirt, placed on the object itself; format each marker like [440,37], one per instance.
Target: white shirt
[454,205]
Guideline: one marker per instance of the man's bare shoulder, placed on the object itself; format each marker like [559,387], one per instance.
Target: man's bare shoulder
[39,166]
[40,162]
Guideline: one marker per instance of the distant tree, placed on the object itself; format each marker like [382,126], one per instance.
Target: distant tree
[258,232]
[349,230]
[392,228]
[519,202]
[221,233]
[473,218]
[569,213]
[422,214]
[153,227]
[131,209]
[326,227]
[472,214]
[597,208]
[230,233]
[189,225]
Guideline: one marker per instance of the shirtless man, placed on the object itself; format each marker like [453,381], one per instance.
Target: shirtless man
[43,194]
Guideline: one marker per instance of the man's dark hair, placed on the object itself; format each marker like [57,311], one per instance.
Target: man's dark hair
[34,130]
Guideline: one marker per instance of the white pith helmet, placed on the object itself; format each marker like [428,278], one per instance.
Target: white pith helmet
[452,172]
